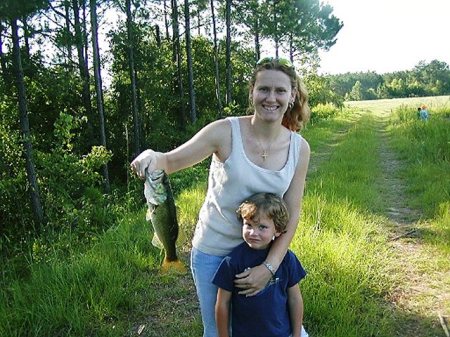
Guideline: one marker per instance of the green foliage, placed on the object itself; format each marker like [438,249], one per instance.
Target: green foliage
[286,23]
[324,111]
[320,91]
[13,184]
[70,184]
[430,79]
[14,9]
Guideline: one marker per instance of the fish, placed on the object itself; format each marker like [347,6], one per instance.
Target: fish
[162,214]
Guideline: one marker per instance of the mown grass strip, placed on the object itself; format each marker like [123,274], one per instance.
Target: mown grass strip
[340,240]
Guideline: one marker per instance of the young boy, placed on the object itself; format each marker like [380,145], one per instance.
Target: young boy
[277,311]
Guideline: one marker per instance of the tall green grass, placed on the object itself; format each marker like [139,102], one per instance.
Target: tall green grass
[100,292]
[425,146]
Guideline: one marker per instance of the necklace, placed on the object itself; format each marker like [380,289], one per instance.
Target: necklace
[265,152]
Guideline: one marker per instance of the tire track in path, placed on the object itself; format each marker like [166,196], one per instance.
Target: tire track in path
[419,296]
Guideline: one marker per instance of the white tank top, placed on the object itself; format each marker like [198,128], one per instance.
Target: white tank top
[218,229]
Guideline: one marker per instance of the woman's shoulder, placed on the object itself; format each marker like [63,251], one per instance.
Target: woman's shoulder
[219,127]
[224,125]
[302,144]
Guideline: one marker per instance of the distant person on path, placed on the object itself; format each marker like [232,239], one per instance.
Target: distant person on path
[260,152]
[423,113]
[277,311]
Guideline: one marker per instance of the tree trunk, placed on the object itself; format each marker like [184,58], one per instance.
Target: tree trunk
[166,22]
[199,21]
[291,49]
[257,39]
[216,62]
[98,86]
[177,59]
[69,32]
[25,128]
[84,70]
[2,56]
[158,35]
[192,110]
[26,36]
[276,38]
[131,66]
[228,52]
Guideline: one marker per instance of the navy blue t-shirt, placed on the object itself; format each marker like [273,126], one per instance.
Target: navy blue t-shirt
[265,314]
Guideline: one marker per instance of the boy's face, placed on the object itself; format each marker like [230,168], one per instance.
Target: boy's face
[259,234]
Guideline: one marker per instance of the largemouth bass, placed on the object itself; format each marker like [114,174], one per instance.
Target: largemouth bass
[162,214]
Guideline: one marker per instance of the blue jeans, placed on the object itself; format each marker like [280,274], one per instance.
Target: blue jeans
[203,267]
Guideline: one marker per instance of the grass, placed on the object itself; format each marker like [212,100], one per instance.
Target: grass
[114,288]
[340,241]
[426,147]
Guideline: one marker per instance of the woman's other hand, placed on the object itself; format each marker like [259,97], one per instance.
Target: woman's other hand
[252,280]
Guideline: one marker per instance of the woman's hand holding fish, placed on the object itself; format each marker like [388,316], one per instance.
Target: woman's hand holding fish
[148,160]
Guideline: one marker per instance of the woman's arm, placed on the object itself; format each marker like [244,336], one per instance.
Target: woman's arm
[295,305]
[223,312]
[213,138]
[255,279]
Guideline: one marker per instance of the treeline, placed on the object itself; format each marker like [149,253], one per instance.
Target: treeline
[426,79]
[67,138]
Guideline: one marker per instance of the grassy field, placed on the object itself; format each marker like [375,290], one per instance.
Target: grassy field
[360,281]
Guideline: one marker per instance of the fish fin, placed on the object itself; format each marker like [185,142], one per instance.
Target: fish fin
[157,242]
[149,213]
[176,267]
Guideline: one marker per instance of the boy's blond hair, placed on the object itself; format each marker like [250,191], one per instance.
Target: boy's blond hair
[269,204]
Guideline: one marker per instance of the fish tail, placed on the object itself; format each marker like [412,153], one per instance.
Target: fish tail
[173,267]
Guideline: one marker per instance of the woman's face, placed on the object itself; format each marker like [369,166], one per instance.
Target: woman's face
[271,94]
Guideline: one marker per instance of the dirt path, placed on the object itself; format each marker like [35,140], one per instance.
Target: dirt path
[419,298]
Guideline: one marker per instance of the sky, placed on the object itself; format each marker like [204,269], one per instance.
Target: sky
[388,35]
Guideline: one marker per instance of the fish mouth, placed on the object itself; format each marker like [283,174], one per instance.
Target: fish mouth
[154,176]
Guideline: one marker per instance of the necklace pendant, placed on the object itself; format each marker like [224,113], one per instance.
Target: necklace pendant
[264,155]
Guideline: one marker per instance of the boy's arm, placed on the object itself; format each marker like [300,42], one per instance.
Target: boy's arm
[223,312]
[295,304]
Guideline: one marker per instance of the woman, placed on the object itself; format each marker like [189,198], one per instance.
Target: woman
[260,152]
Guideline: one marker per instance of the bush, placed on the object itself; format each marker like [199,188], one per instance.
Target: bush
[323,111]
